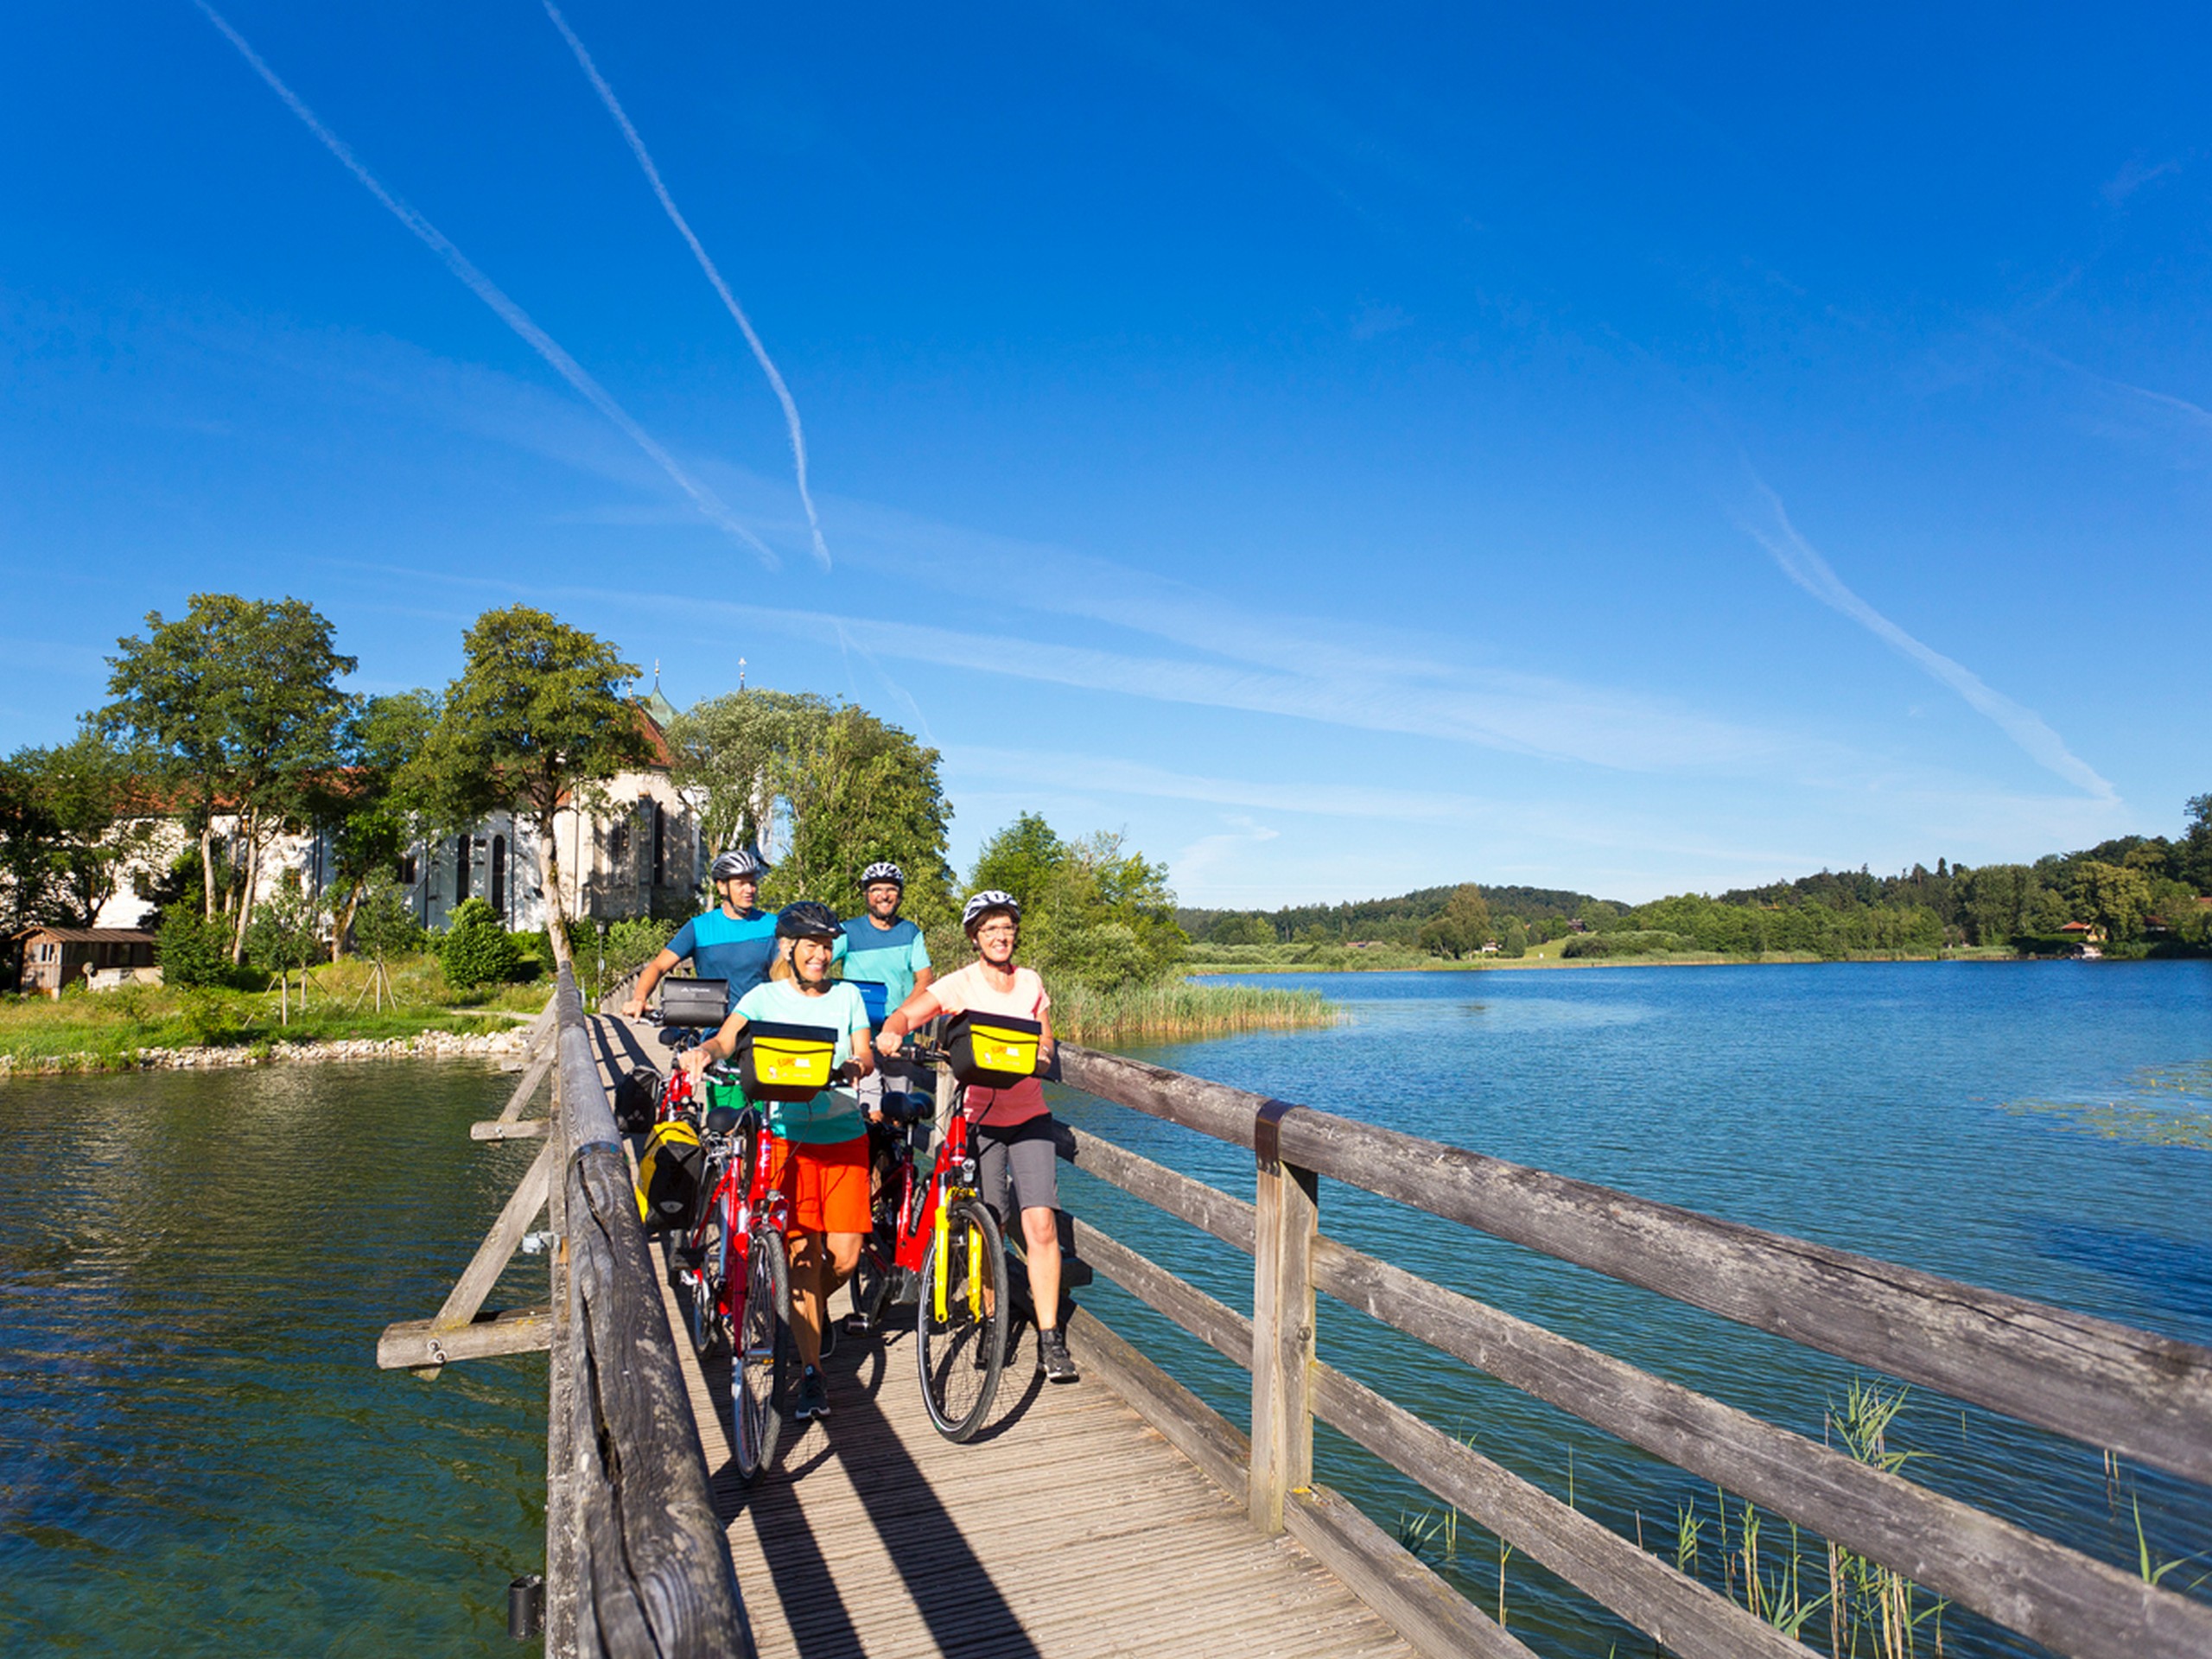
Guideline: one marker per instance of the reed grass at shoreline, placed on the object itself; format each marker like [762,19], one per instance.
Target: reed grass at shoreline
[1182,1009]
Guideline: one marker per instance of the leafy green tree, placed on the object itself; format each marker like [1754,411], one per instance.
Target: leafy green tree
[735,750]
[2112,896]
[287,935]
[193,949]
[1092,910]
[88,828]
[827,787]
[233,709]
[383,928]
[2193,853]
[536,719]
[1463,929]
[1515,940]
[477,950]
[374,817]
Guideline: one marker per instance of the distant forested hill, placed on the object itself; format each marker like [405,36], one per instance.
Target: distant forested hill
[2135,895]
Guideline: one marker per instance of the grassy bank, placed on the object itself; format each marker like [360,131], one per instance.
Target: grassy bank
[1180,1009]
[107,1029]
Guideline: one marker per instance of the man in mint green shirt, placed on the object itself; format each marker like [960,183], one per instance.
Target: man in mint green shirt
[887,959]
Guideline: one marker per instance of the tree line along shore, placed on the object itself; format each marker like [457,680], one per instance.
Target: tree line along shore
[279,836]
[2131,897]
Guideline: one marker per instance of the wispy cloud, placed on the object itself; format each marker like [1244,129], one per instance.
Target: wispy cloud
[699,252]
[1804,565]
[710,505]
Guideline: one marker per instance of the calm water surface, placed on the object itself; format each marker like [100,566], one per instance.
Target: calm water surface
[2045,1128]
[197,1453]
[197,1456]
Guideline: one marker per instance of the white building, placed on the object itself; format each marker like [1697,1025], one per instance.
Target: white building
[638,854]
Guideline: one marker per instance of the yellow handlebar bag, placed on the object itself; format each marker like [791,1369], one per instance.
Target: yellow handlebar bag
[785,1063]
[994,1051]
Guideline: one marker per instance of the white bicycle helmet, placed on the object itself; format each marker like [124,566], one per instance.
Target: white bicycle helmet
[883,870]
[983,904]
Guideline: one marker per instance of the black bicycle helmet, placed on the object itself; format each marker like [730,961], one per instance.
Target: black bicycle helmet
[738,861]
[983,904]
[807,921]
[883,870]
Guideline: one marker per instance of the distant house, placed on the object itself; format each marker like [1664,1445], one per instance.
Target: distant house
[2084,933]
[103,957]
[639,854]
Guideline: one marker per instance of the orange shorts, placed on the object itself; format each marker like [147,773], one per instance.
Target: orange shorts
[827,1185]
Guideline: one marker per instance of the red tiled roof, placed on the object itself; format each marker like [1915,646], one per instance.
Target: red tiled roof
[89,935]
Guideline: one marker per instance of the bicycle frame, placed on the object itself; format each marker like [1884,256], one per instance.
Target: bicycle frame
[744,1197]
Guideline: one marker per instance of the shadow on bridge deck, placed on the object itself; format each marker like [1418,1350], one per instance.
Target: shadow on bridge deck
[1068,1526]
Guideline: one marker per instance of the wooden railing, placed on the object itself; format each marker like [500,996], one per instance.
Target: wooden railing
[2140,1395]
[636,1560]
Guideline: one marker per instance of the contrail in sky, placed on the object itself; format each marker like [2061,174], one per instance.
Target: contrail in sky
[729,301]
[1805,567]
[513,315]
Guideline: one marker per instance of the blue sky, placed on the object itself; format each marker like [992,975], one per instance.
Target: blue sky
[1346,452]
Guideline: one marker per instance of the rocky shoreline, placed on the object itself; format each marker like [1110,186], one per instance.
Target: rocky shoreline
[423,1046]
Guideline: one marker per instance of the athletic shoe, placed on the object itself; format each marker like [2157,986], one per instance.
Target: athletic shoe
[813,1396]
[1053,1357]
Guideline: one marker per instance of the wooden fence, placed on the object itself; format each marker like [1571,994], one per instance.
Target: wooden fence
[2140,1395]
[636,1563]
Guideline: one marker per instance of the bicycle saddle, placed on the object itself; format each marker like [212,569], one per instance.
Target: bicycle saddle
[904,1109]
[721,1119]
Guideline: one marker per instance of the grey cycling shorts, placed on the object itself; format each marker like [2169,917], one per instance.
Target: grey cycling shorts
[1024,1159]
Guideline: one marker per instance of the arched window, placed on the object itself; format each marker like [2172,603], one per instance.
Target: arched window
[459,868]
[500,874]
[660,845]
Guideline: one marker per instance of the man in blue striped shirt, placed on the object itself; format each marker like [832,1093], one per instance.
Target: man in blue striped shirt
[735,941]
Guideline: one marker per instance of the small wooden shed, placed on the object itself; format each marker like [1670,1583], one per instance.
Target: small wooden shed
[107,956]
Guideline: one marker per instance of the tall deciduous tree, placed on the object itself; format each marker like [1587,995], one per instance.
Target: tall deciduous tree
[536,719]
[235,709]
[92,826]
[827,789]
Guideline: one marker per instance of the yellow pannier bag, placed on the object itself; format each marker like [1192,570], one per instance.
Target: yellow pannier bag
[996,1050]
[786,1063]
[671,1177]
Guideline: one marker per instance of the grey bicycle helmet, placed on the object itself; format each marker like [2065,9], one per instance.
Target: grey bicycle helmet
[983,904]
[738,861]
[807,921]
[883,870]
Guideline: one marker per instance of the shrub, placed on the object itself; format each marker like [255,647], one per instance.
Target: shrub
[477,950]
[193,949]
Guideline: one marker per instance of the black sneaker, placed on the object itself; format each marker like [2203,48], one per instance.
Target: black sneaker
[813,1396]
[1053,1358]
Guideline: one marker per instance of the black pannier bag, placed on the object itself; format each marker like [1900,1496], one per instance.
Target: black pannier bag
[637,1099]
[671,1177]
[699,1003]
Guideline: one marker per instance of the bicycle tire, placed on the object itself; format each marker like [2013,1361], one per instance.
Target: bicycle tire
[708,1307]
[760,1356]
[962,1355]
[871,1287]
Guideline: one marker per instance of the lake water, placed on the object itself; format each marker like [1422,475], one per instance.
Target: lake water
[2045,1128]
[197,1456]
[197,1453]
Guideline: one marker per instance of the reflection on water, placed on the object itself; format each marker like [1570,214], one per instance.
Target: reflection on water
[1889,1109]
[197,1453]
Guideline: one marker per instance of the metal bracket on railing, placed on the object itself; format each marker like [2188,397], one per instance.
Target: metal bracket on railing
[1267,1131]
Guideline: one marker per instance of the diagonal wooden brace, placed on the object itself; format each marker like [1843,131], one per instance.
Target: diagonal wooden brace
[493,1256]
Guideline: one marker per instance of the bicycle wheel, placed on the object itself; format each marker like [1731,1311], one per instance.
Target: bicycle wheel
[708,1306]
[760,1356]
[962,1353]
[870,1287]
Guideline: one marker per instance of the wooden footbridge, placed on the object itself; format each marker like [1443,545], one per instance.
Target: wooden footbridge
[1124,1515]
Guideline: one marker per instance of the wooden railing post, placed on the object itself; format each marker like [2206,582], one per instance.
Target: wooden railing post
[1288,1215]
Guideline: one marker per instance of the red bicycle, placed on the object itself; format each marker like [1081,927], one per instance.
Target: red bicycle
[937,1247]
[732,1264]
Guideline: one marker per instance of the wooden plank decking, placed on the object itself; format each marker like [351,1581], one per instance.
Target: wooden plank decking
[1067,1526]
